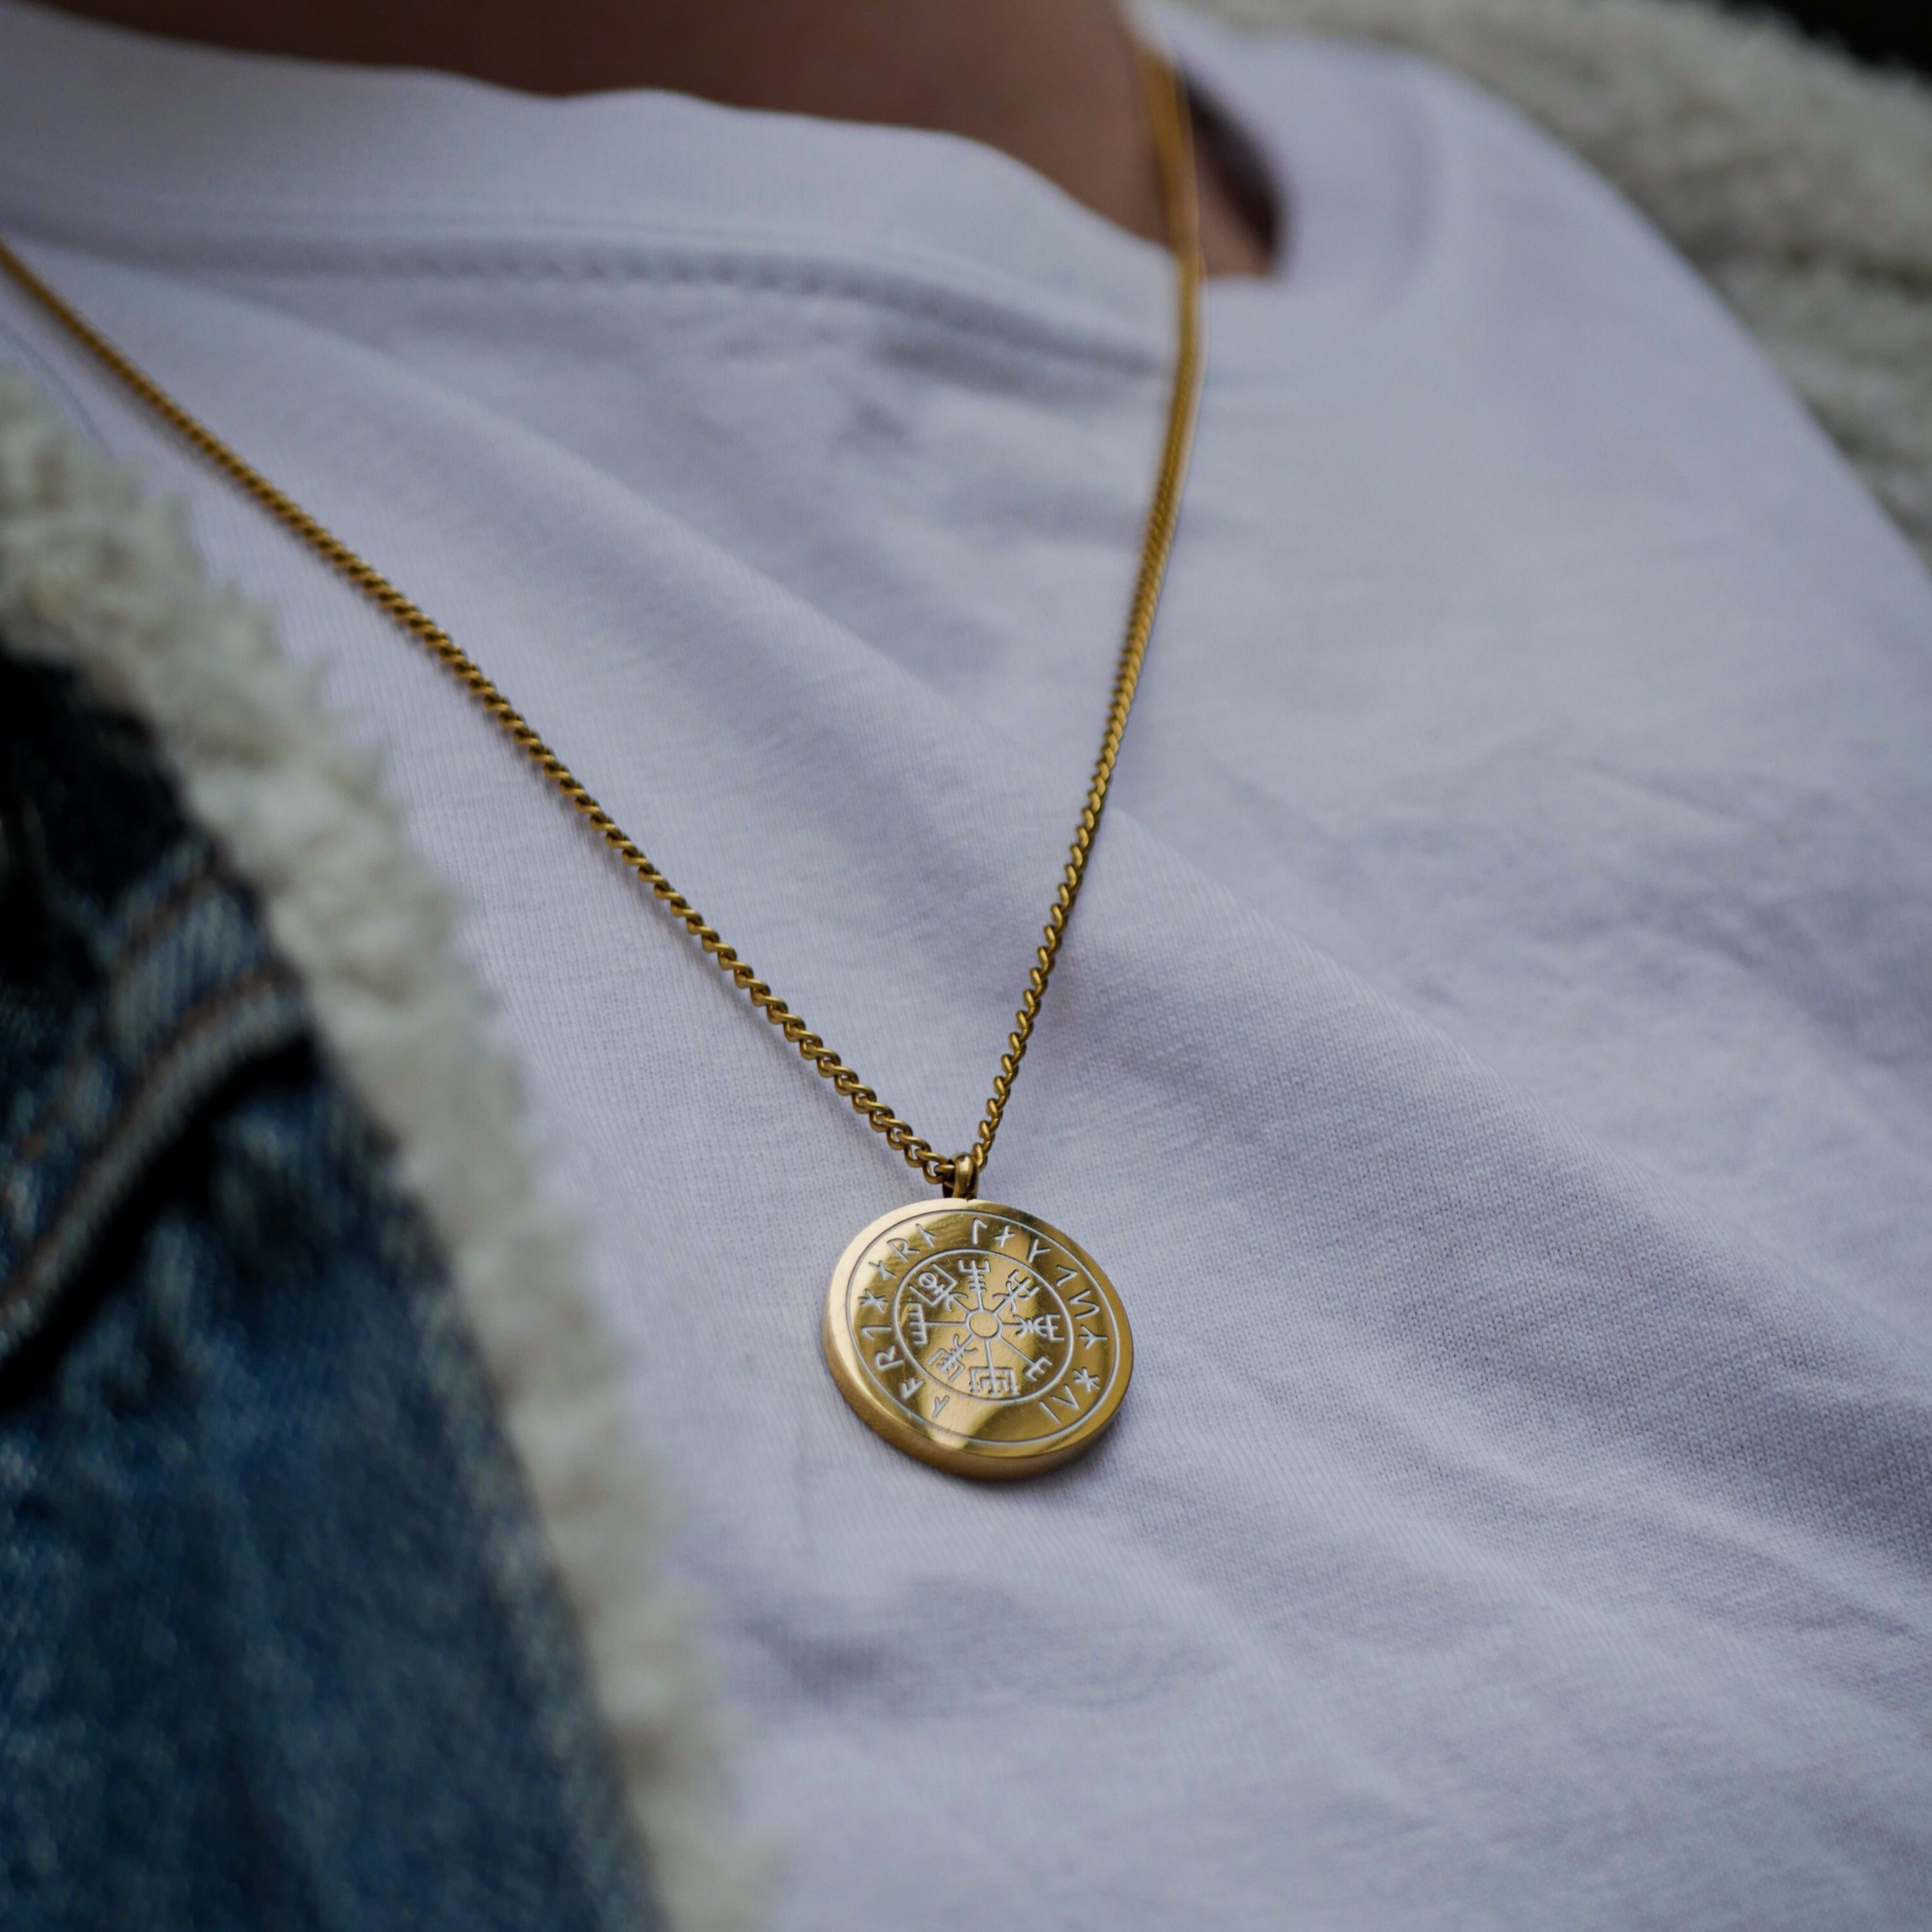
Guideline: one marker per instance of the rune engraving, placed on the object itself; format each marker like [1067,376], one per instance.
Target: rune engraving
[973,1322]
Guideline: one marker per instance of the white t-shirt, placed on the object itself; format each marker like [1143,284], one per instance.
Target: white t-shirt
[1493,1057]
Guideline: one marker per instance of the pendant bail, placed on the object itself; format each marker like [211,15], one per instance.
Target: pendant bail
[964,1184]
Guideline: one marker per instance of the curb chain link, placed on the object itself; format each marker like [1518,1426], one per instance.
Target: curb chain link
[1174,153]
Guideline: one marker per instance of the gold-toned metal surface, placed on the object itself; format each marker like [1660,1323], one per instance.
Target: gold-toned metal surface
[971,1336]
[1174,160]
[978,1338]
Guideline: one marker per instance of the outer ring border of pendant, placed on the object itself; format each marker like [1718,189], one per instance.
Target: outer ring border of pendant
[996,1462]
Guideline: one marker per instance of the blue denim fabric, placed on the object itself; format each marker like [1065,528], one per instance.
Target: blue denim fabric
[278,1647]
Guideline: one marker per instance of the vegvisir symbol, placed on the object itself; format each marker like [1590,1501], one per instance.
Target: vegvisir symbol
[956,1316]
[997,1336]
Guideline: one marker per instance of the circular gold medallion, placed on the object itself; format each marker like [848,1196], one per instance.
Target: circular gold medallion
[977,1338]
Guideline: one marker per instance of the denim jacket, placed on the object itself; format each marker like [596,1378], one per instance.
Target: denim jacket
[267,1656]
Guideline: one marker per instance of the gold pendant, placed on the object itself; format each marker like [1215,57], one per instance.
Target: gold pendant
[977,1338]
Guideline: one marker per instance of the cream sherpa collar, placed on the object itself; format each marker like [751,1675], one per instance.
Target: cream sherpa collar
[1801,186]
[1798,183]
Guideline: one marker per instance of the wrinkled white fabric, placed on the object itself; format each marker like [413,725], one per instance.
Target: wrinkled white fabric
[1493,1057]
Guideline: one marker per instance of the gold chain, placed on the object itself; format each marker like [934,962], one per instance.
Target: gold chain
[1174,153]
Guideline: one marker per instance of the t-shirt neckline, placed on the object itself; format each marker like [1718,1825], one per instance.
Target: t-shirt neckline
[154,149]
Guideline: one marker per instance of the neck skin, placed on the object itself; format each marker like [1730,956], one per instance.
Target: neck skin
[1051,82]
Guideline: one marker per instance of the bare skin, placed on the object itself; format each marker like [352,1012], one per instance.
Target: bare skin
[1051,82]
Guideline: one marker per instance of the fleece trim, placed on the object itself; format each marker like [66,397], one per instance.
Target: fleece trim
[94,578]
